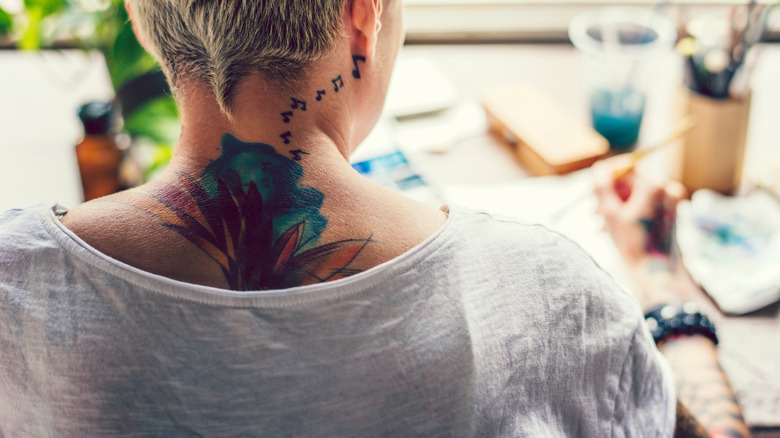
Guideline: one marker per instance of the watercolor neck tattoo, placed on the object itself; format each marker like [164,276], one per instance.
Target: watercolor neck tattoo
[250,214]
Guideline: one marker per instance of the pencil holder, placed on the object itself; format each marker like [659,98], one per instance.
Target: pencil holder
[713,151]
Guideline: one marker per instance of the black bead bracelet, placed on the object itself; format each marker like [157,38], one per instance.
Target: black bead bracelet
[679,319]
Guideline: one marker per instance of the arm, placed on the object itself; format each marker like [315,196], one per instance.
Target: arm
[703,388]
[640,218]
[705,397]
[687,425]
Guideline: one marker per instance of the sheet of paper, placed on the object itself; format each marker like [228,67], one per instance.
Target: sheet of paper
[418,87]
[440,131]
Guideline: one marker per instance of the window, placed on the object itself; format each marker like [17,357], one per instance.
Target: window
[528,20]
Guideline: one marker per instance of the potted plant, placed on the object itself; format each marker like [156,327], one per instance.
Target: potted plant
[147,107]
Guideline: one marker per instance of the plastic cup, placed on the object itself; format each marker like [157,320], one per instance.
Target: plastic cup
[620,45]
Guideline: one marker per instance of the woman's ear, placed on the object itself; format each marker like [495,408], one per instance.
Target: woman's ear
[134,23]
[365,19]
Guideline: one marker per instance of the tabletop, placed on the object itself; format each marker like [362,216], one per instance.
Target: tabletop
[749,350]
[39,94]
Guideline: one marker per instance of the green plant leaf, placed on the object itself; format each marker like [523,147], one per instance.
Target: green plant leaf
[31,37]
[47,7]
[126,58]
[163,152]
[6,22]
[157,120]
[36,11]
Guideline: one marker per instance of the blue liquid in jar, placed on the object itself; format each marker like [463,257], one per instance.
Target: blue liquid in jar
[617,115]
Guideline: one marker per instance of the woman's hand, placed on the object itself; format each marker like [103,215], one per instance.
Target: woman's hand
[638,214]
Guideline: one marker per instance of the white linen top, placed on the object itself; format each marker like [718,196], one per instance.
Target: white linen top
[489,328]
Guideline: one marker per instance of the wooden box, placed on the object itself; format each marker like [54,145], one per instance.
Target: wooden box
[546,139]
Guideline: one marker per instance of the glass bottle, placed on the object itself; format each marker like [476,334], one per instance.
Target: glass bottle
[97,153]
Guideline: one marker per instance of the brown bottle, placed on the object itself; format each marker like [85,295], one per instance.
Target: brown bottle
[97,153]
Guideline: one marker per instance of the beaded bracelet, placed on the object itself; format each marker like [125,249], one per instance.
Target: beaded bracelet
[668,320]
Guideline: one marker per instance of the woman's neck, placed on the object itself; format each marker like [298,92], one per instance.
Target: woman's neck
[265,198]
[256,211]
[249,190]
[321,114]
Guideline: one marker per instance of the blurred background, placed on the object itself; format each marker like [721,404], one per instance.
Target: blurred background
[60,54]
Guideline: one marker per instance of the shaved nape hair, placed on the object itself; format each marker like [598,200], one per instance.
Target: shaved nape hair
[221,42]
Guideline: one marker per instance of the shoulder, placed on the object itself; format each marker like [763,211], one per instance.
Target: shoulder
[29,250]
[538,273]
[511,233]
[534,250]
[101,223]
[23,228]
[11,220]
[125,228]
[545,306]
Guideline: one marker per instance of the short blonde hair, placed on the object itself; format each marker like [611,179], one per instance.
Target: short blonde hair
[223,41]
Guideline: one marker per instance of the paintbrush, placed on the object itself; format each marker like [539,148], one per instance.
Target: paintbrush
[682,128]
[635,157]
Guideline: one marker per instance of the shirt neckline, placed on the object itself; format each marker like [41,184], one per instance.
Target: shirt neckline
[296,296]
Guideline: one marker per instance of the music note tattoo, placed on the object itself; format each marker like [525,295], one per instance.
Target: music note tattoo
[356,71]
[287,116]
[297,103]
[297,154]
[286,137]
[320,93]
[338,82]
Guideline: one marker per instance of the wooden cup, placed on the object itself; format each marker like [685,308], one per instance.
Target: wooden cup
[713,151]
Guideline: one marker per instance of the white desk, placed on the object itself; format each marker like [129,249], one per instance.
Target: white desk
[749,345]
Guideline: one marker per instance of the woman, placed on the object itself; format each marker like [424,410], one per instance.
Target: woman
[261,287]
